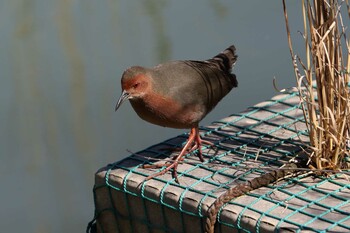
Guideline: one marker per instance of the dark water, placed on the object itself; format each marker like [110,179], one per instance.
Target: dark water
[61,63]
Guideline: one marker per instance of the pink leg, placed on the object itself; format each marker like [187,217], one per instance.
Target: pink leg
[178,158]
[198,145]
[194,142]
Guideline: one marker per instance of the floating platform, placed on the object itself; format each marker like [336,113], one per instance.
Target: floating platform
[254,142]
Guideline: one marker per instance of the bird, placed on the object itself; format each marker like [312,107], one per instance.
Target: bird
[179,94]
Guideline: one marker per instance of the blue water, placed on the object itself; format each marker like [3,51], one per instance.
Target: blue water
[60,68]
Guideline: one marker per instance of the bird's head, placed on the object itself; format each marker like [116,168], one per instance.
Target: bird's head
[135,84]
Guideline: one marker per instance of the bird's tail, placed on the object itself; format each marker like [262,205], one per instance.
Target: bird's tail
[226,59]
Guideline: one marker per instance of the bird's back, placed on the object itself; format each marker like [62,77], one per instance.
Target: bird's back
[198,83]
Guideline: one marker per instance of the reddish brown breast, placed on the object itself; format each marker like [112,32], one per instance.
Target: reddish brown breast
[163,111]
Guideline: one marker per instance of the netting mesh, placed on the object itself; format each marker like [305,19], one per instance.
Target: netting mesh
[246,145]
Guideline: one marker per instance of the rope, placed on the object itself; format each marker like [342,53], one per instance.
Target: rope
[241,189]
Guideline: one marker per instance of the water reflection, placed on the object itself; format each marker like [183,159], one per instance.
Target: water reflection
[155,10]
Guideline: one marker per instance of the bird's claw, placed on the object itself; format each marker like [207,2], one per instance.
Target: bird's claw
[193,143]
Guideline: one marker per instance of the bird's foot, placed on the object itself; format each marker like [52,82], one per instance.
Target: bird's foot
[194,146]
[198,142]
[194,142]
[160,165]
[168,167]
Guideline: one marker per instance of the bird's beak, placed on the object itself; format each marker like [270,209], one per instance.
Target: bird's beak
[124,96]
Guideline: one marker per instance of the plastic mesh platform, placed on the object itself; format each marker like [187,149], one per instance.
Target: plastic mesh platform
[249,144]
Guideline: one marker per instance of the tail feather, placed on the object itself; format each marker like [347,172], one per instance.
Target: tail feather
[226,59]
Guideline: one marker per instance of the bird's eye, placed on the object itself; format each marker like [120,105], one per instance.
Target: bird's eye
[136,85]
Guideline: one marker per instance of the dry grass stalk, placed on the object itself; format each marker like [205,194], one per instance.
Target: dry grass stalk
[327,64]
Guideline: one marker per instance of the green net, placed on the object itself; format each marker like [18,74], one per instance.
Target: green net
[249,144]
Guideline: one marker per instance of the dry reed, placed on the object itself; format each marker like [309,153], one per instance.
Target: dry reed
[326,108]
